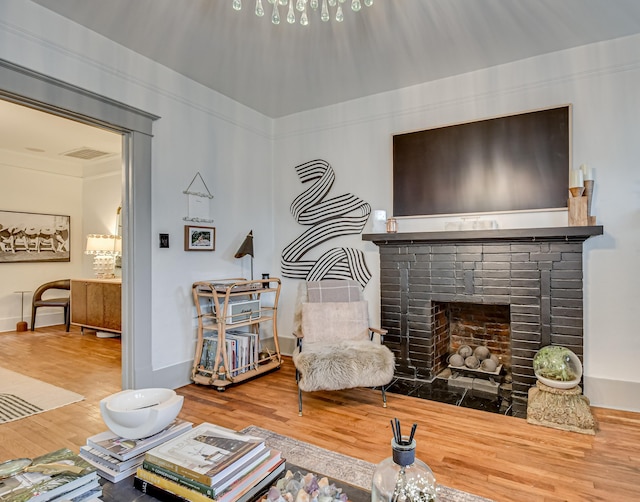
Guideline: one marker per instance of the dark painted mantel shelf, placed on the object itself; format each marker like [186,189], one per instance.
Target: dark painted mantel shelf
[577,233]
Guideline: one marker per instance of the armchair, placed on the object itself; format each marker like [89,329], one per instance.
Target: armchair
[336,348]
[63,302]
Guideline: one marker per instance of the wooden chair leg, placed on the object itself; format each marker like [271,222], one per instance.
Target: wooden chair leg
[33,318]
[67,317]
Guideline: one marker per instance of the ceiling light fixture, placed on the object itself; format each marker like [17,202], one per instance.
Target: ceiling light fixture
[301,7]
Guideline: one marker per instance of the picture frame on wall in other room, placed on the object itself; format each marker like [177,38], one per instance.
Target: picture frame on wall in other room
[34,237]
[198,238]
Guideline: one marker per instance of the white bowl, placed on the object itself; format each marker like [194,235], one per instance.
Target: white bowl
[135,414]
[559,384]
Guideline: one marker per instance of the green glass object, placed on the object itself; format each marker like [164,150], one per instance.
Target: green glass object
[557,366]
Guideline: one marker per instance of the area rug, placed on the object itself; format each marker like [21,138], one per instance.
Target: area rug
[22,396]
[337,466]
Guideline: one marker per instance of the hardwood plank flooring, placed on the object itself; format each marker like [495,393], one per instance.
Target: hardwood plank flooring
[502,458]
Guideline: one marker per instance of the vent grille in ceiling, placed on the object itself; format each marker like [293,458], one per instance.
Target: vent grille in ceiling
[86,153]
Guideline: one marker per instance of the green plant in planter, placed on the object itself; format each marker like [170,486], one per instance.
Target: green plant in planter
[554,362]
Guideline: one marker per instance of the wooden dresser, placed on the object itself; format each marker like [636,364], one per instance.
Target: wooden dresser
[97,304]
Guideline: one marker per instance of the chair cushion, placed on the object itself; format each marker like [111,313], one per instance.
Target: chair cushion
[52,302]
[334,290]
[334,321]
[343,365]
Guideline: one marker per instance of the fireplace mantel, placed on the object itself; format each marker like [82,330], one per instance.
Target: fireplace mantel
[577,233]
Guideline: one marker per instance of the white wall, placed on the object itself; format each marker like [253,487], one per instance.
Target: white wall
[199,130]
[601,82]
[25,189]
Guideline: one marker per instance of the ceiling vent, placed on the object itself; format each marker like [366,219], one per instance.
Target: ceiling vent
[86,153]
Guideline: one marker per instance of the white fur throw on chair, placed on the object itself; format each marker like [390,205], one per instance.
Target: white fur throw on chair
[343,365]
[336,350]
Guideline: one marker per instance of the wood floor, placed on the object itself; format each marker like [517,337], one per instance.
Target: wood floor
[502,458]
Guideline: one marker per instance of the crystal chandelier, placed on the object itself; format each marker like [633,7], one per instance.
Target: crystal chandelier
[301,7]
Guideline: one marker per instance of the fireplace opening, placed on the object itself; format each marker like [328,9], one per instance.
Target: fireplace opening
[470,331]
[472,325]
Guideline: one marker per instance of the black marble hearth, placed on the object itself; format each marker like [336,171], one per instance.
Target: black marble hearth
[536,273]
[441,391]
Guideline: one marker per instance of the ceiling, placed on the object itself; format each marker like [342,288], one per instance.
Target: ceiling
[284,69]
[46,142]
[280,70]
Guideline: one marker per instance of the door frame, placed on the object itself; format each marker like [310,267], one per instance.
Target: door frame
[36,90]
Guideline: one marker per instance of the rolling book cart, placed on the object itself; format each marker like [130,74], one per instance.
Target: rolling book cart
[230,312]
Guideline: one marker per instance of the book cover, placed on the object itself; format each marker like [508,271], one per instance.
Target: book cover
[111,475]
[81,492]
[207,453]
[124,449]
[156,491]
[275,463]
[112,463]
[166,485]
[263,486]
[252,462]
[48,476]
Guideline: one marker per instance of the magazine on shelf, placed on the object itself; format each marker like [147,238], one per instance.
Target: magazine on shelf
[101,459]
[125,449]
[82,492]
[91,495]
[39,483]
[206,453]
[112,475]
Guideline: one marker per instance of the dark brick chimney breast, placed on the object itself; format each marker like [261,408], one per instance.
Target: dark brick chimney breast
[536,273]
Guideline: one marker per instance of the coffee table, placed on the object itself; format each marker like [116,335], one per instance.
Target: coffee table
[125,492]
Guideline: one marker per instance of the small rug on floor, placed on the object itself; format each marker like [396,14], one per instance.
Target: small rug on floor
[337,466]
[22,396]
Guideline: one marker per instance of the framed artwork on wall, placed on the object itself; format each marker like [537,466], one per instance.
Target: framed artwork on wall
[198,238]
[34,237]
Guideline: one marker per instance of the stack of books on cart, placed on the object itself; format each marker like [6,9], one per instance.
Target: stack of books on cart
[209,462]
[116,458]
[56,476]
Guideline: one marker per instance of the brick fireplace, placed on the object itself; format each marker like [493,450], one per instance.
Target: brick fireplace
[534,276]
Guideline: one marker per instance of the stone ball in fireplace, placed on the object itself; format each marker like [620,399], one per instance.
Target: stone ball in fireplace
[456,360]
[481,352]
[472,362]
[488,365]
[465,351]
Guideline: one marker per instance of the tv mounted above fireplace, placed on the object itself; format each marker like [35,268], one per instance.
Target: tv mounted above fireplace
[518,162]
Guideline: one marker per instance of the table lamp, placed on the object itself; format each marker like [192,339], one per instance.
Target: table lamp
[104,249]
[246,248]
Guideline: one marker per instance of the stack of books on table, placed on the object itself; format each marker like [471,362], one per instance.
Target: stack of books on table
[116,458]
[56,476]
[208,463]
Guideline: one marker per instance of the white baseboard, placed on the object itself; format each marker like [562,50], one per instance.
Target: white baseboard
[42,319]
[614,394]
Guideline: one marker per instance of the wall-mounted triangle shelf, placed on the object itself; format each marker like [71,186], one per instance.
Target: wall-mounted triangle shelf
[198,201]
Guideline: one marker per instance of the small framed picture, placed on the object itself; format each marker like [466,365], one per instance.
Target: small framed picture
[199,238]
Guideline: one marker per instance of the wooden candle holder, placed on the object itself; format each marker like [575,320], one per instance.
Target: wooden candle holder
[579,213]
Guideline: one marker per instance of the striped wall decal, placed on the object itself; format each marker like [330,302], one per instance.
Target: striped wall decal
[327,219]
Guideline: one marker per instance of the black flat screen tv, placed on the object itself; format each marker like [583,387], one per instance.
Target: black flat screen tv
[512,163]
